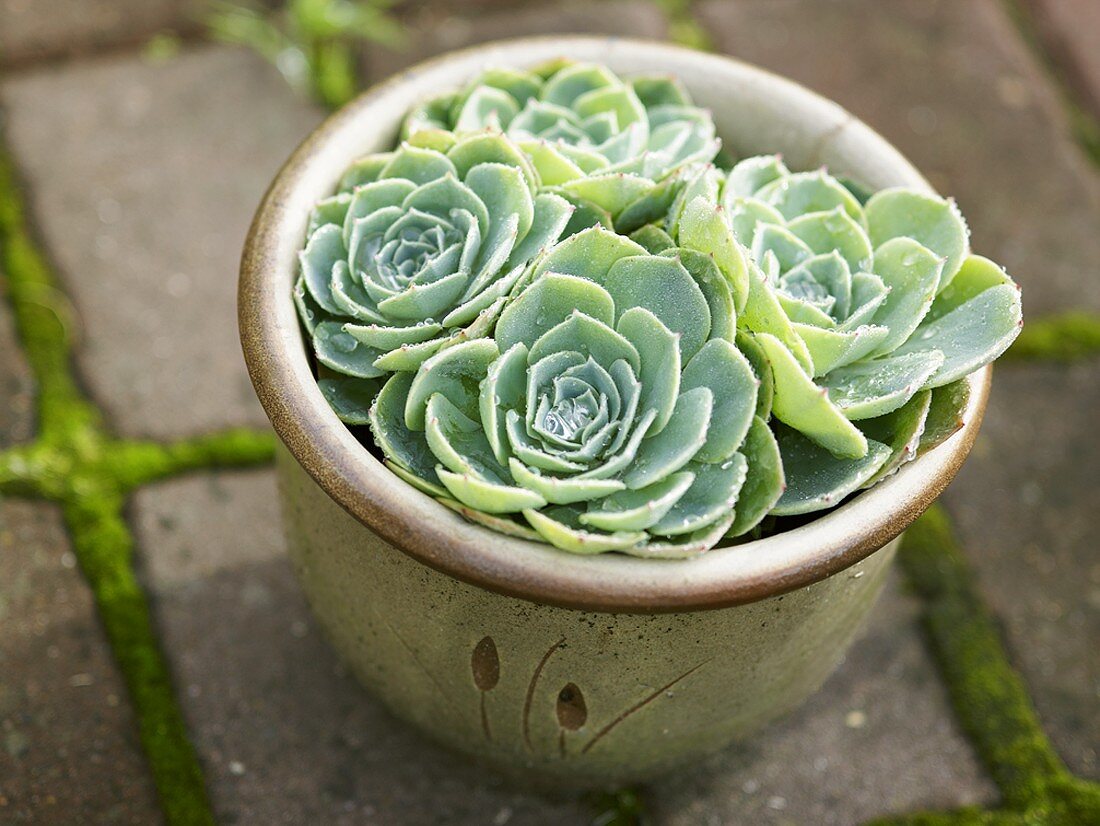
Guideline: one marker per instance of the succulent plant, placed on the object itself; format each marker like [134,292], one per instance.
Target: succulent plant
[611,410]
[418,251]
[860,306]
[604,143]
[563,321]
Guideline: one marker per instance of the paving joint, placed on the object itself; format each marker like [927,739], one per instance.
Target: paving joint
[76,462]
[1066,337]
[989,697]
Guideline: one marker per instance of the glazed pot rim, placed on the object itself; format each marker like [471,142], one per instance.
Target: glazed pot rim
[431,533]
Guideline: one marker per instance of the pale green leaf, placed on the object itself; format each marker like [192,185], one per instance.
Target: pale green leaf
[806,407]
[816,479]
[932,221]
[764,482]
[874,388]
[720,367]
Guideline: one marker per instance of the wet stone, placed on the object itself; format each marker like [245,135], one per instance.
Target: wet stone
[1070,31]
[954,87]
[878,738]
[1025,504]
[437,30]
[41,29]
[143,179]
[69,750]
[284,733]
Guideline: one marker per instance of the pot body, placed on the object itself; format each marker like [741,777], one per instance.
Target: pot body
[552,696]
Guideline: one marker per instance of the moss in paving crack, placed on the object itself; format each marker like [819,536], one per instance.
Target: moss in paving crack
[104,546]
[75,462]
[683,28]
[132,464]
[1082,122]
[42,319]
[1067,337]
[989,697]
[617,808]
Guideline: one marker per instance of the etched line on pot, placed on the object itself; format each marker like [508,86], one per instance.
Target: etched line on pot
[485,665]
[531,692]
[421,666]
[639,706]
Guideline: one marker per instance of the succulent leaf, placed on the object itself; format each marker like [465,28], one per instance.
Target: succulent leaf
[933,222]
[807,407]
[901,431]
[944,414]
[765,479]
[816,478]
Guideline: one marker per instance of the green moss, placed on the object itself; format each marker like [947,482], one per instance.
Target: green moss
[74,461]
[104,547]
[43,320]
[962,817]
[1066,337]
[133,464]
[989,697]
[622,807]
[1082,122]
[683,28]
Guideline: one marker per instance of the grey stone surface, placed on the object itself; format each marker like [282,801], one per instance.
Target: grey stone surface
[1070,30]
[16,387]
[878,738]
[1026,505]
[444,27]
[954,87]
[284,733]
[143,179]
[38,29]
[69,749]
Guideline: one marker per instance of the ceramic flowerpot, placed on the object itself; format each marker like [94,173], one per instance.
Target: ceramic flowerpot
[562,669]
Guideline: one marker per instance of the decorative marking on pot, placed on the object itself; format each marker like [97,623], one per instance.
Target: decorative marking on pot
[638,707]
[531,690]
[420,664]
[485,663]
[570,707]
[572,712]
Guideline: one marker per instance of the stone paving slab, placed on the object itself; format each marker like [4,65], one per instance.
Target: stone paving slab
[443,28]
[69,749]
[956,89]
[287,737]
[42,29]
[1026,504]
[284,734]
[143,179]
[1070,29]
[953,86]
[879,738]
[16,387]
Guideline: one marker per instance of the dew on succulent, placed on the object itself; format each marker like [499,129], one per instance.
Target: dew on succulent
[561,319]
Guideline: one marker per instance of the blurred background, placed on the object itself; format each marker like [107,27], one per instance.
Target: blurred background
[157,660]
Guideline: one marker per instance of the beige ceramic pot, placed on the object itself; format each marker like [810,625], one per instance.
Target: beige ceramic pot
[565,670]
